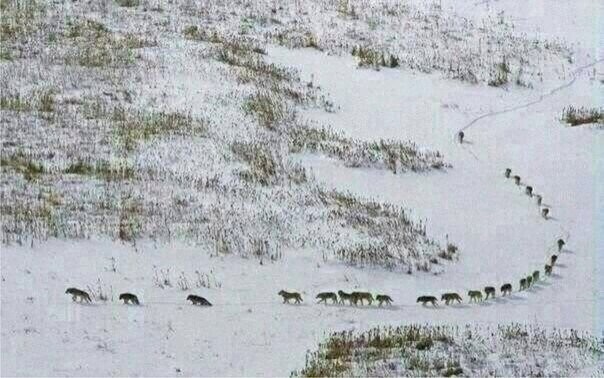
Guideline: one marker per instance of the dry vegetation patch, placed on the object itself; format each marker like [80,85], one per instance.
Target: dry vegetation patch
[96,141]
[581,116]
[427,351]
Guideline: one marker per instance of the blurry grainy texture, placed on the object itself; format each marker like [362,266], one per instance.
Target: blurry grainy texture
[233,150]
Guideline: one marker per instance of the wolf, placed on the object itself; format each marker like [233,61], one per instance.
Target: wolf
[77,293]
[529,281]
[323,297]
[523,284]
[287,296]
[548,269]
[506,289]
[560,244]
[536,276]
[197,300]
[553,260]
[517,180]
[425,299]
[544,212]
[357,296]
[508,172]
[475,295]
[345,297]
[529,191]
[489,291]
[539,199]
[448,297]
[460,136]
[382,298]
[129,298]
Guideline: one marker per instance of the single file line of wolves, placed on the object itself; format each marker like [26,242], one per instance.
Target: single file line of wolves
[394,307]
[354,297]
[528,281]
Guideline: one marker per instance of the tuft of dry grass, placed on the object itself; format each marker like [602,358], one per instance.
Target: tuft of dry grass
[14,103]
[581,116]
[262,164]
[102,170]
[131,127]
[268,109]
[22,164]
[372,58]
[128,3]
[19,19]
[42,101]
[393,155]
[91,44]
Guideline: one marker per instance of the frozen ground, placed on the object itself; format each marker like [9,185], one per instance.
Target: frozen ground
[574,21]
[248,331]
[416,350]
[512,237]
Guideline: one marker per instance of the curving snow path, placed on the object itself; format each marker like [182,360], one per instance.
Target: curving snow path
[575,74]
[501,235]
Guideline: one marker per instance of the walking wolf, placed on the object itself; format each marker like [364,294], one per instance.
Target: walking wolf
[553,260]
[489,291]
[535,276]
[448,297]
[287,296]
[382,298]
[345,297]
[506,289]
[560,244]
[523,284]
[357,296]
[197,300]
[425,299]
[323,297]
[77,293]
[129,298]
[475,295]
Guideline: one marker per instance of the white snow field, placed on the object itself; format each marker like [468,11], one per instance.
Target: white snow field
[219,204]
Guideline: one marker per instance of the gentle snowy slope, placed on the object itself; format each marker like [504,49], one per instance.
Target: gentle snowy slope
[499,228]
[575,21]
[196,191]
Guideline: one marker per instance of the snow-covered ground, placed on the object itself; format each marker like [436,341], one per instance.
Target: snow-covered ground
[248,331]
[577,22]
[512,238]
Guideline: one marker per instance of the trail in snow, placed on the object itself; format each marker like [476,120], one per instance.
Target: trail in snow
[223,337]
[500,232]
[541,97]
[311,301]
